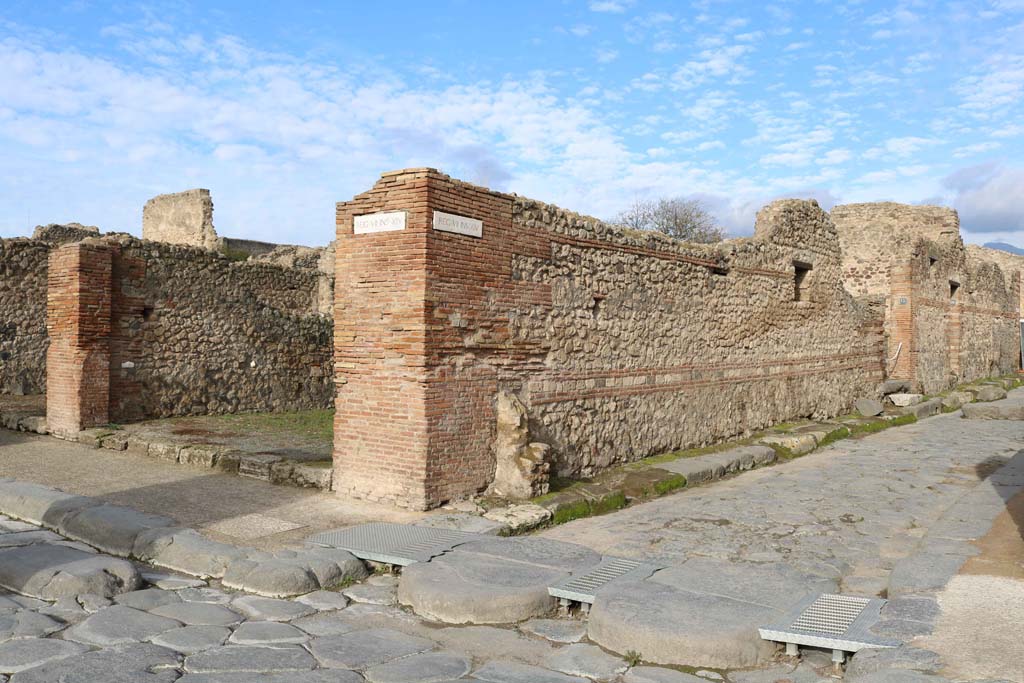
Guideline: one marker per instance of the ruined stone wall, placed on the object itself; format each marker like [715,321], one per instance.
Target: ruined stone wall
[181,218]
[23,339]
[1007,262]
[618,344]
[195,333]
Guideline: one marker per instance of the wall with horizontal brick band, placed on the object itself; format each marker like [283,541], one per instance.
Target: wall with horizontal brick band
[620,344]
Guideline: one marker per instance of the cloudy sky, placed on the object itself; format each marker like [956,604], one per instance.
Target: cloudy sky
[282,109]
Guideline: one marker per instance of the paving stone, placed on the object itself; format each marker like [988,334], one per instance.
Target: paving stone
[139,663]
[270,609]
[492,581]
[511,672]
[464,521]
[868,407]
[170,582]
[922,572]
[318,676]
[323,600]
[896,676]
[520,518]
[40,504]
[268,633]
[198,614]
[119,625]
[327,623]
[185,550]
[655,674]
[774,674]
[54,571]
[870,661]
[191,639]
[27,624]
[797,444]
[111,528]
[147,598]
[250,658]
[587,660]
[19,655]
[28,537]
[556,630]
[993,411]
[429,667]
[273,578]
[13,525]
[923,409]
[93,603]
[66,609]
[363,649]
[210,595]
[374,595]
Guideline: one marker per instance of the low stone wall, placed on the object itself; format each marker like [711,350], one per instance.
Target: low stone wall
[23,339]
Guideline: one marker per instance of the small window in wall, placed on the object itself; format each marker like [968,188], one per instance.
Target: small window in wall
[954,287]
[800,271]
[932,260]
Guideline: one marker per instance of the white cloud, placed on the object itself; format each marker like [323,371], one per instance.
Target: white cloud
[713,144]
[711,63]
[581,30]
[972,150]
[900,147]
[613,6]
[835,156]
[606,56]
[988,197]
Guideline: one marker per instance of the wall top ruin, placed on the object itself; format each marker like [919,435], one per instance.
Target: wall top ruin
[181,218]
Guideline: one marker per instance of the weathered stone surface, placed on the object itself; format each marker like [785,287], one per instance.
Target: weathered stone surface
[40,504]
[210,595]
[186,551]
[318,676]
[522,468]
[363,649]
[169,581]
[270,609]
[654,674]
[429,667]
[985,393]
[28,537]
[201,455]
[198,614]
[147,599]
[327,623]
[55,571]
[374,595]
[512,672]
[26,624]
[324,600]
[250,658]
[181,218]
[955,399]
[519,518]
[556,630]
[797,444]
[119,625]
[870,661]
[932,406]
[464,521]
[268,633]
[587,660]
[138,663]
[993,411]
[922,572]
[191,639]
[893,386]
[868,407]
[489,582]
[19,655]
[903,400]
[111,528]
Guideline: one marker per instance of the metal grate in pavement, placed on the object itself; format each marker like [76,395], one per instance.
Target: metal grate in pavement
[583,587]
[836,622]
[399,544]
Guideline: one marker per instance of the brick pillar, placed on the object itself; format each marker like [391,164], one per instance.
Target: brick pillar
[78,324]
[901,328]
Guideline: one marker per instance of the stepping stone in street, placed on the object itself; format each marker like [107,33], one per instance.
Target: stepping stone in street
[270,609]
[198,614]
[492,581]
[429,667]
[268,633]
[556,630]
[119,625]
[510,672]
[587,660]
[138,663]
[19,655]
[191,639]
[374,595]
[250,659]
[363,649]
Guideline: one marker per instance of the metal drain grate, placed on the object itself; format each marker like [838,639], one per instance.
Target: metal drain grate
[836,622]
[399,544]
[583,588]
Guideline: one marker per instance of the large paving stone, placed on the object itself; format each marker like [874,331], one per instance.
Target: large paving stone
[654,674]
[54,571]
[870,661]
[250,659]
[119,625]
[492,581]
[429,667]
[191,639]
[40,504]
[923,572]
[185,550]
[147,599]
[587,660]
[512,672]
[556,630]
[324,600]
[274,578]
[993,411]
[318,676]
[198,614]
[363,649]
[111,528]
[27,624]
[270,609]
[268,633]
[140,663]
[19,655]
[327,623]
[28,538]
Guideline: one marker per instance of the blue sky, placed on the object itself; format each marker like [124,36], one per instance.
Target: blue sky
[282,109]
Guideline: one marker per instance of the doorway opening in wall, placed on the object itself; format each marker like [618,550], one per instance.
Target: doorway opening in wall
[800,271]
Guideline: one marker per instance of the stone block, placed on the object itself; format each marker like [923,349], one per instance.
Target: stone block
[993,411]
[257,465]
[868,407]
[114,442]
[990,393]
[163,450]
[111,528]
[33,423]
[50,572]
[40,504]
[520,518]
[185,550]
[932,406]
[893,386]
[956,399]
[902,400]
[201,455]
[795,443]
[92,437]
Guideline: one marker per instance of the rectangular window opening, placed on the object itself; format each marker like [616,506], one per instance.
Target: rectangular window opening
[954,287]
[800,271]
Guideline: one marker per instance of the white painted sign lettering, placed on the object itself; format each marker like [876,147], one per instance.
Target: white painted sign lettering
[458,224]
[379,222]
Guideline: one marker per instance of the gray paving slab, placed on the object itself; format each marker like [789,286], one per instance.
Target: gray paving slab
[428,667]
[514,672]
[586,660]
[19,655]
[191,639]
[364,649]
[138,663]
[318,676]
[324,600]
[51,571]
[374,595]
[270,609]
[327,623]
[198,614]
[250,658]
[656,674]
[556,630]
[40,504]
[267,633]
[27,624]
[111,528]
[147,598]
[185,550]
[119,625]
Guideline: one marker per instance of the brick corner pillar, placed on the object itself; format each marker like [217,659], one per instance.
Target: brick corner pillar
[78,309]
[901,326]
[420,327]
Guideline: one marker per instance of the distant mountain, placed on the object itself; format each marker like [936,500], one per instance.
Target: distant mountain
[1003,246]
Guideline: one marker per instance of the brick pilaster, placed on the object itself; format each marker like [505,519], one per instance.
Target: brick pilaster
[78,306]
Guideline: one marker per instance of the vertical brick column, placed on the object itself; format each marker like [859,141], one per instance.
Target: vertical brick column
[78,324]
[901,279]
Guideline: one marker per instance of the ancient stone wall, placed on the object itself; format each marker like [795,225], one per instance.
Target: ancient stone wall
[618,344]
[949,318]
[23,339]
[1007,262]
[181,218]
[195,333]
